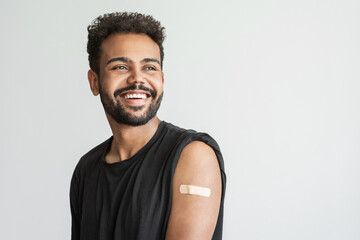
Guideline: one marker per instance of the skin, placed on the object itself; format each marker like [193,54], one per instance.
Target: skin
[194,217]
[115,74]
[128,59]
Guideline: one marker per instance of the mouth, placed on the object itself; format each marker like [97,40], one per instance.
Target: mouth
[135,95]
[135,98]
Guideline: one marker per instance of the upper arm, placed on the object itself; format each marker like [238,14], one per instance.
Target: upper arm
[193,216]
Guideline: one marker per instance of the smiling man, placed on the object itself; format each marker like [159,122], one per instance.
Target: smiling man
[150,180]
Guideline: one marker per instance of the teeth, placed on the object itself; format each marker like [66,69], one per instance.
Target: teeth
[129,96]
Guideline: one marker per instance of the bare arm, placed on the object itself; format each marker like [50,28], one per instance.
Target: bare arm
[193,216]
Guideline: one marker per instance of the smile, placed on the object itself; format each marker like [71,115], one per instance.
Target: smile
[135,96]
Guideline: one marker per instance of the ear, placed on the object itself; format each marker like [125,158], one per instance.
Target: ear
[94,82]
[162,77]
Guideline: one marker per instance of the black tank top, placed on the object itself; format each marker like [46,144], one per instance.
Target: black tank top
[131,199]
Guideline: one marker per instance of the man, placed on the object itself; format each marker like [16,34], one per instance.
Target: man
[151,179]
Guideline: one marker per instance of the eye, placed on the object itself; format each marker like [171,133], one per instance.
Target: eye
[119,67]
[150,68]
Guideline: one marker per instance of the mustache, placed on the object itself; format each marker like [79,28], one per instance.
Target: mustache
[135,87]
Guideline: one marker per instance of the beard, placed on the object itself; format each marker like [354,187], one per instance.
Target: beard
[118,112]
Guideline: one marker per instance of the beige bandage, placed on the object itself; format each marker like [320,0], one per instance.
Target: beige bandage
[195,190]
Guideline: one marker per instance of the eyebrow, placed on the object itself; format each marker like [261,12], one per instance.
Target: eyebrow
[128,60]
[151,60]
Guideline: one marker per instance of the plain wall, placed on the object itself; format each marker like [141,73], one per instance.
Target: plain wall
[276,83]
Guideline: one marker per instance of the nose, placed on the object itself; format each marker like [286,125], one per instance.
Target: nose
[136,76]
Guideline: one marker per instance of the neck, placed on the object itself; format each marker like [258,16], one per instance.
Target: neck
[128,140]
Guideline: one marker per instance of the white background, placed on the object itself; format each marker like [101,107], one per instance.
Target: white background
[276,83]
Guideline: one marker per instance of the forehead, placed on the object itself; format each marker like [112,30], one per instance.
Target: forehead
[133,46]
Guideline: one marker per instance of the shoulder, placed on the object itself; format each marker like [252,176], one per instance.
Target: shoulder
[97,151]
[91,158]
[187,136]
[195,148]
[198,164]
[199,148]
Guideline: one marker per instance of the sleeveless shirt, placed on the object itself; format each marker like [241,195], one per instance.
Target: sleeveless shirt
[131,199]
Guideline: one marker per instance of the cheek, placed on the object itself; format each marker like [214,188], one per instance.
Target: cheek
[109,84]
[158,83]
[158,88]
[105,89]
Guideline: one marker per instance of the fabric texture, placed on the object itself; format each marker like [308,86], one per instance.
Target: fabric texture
[131,199]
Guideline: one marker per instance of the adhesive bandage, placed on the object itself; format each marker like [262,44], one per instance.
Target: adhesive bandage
[195,190]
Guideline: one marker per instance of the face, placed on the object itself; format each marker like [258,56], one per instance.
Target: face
[130,81]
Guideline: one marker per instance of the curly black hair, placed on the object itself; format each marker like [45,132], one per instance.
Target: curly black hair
[121,22]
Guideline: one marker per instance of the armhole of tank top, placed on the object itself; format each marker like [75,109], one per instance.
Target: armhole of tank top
[191,137]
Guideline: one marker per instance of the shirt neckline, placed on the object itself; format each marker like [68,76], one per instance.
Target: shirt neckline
[132,158]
